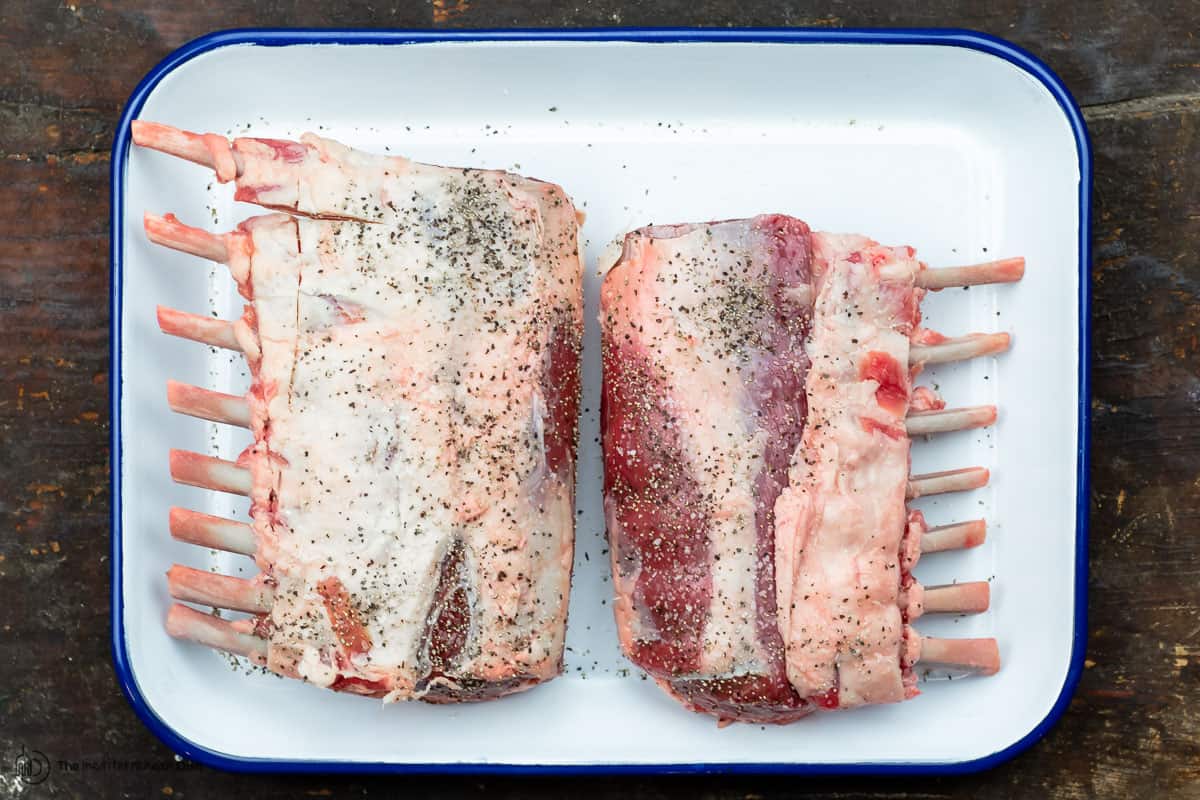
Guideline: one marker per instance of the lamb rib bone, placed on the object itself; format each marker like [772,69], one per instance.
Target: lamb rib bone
[219,591]
[206,530]
[209,472]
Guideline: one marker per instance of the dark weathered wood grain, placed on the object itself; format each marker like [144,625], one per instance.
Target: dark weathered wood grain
[1133,730]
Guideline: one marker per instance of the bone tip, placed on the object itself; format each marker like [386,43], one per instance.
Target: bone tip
[152,134]
[159,222]
[156,226]
[977,596]
[179,620]
[988,415]
[985,656]
[1013,269]
[180,460]
[175,574]
[980,477]
[976,533]
[178,396]
[141,131]
[176,517]
[979,656]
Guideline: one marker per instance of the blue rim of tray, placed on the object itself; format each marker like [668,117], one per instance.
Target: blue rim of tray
[274,38]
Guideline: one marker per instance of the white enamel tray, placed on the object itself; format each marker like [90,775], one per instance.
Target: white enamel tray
[953,142]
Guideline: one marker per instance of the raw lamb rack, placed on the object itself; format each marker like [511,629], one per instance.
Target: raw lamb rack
[758,406]
[413,334]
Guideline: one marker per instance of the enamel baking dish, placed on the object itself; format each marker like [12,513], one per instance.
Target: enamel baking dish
[953,142]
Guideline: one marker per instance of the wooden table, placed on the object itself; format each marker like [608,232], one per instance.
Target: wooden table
[1133,729]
